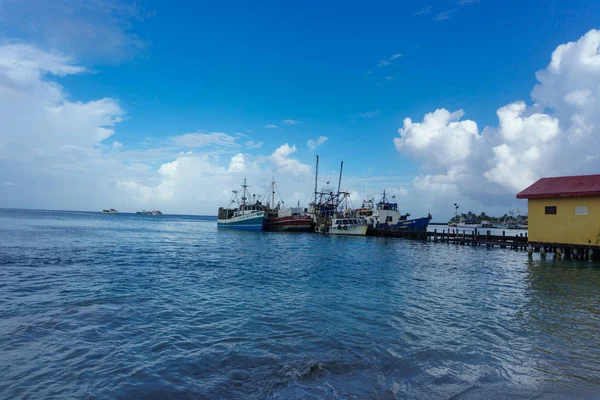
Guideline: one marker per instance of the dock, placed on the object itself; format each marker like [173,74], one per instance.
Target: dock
[477,238]
[456,236]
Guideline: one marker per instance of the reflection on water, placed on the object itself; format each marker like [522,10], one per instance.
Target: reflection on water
[120,306]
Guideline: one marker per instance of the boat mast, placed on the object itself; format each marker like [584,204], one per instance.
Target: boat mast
[244,193]
[273,193]
[340,180]
[316,178]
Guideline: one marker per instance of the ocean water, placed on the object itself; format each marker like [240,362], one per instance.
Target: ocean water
[124,306]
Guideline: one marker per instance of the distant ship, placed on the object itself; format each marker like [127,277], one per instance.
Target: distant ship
[149,213]
[111,211]
[243,216]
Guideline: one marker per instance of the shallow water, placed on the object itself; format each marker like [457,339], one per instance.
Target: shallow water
[126,306]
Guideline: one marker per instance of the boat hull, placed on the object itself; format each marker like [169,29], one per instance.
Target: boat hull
[410,225]
[252,222]
[289,224]
[468,225]
[356,230]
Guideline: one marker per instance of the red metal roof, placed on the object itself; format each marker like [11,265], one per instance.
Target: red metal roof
[563,186]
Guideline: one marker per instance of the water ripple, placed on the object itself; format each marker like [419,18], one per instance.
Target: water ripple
[121,306]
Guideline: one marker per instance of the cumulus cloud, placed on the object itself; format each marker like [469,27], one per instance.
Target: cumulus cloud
[283,163]
[271,126]
[556,135]
[60,154]
[290,122]
[313,144]
[238,163]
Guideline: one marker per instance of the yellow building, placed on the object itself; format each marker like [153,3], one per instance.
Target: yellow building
[564,210]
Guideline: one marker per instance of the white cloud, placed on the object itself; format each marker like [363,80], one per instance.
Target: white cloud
[397,55]
[424,10]
[117,146]
[253,145]
[555,136]
[271,126]
[313,144]
[369,114]
[389,78]
[290,122]
[59,151]
[196,140]
[75,26]
[283,163]
[238,163]
[383,63]
[446,15]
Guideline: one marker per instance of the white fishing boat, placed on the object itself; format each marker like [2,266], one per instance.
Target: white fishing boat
[348,226]
[468,223]
[111,211]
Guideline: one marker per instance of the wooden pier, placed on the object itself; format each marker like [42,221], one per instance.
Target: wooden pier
[518,241]
[477,238]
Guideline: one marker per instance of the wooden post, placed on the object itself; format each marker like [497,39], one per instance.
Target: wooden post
[591,255]
[435,236]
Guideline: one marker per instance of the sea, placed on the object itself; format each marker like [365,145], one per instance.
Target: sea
[125,306]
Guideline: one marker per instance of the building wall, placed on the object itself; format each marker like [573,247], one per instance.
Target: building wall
[564,226]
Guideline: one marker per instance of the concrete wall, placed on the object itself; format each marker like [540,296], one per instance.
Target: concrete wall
[565,226]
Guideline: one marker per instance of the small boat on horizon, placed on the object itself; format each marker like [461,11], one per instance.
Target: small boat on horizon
[110,211]
[149,213]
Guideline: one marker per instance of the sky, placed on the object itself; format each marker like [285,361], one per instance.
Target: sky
[170,105]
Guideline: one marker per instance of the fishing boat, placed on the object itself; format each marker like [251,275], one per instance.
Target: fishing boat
[386,216]
[468,223]
[280,218]
[326,210]
[111,211]
[243,216]
[353,226]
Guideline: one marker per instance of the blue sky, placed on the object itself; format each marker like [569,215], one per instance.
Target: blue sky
[349,71]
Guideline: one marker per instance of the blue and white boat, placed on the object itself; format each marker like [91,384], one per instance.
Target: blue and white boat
[244,216]
[386,216]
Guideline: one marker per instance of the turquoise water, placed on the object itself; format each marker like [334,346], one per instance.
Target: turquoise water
[125,306]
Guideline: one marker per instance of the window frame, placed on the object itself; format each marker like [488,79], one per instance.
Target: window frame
[548,210]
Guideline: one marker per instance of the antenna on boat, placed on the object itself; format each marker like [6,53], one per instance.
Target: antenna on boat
[340,180]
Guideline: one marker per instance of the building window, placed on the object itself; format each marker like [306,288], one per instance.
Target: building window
[581,210]
[550,209]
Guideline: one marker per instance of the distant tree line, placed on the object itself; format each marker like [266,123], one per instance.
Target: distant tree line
[510,217]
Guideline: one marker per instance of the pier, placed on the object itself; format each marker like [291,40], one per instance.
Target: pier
[519,241]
